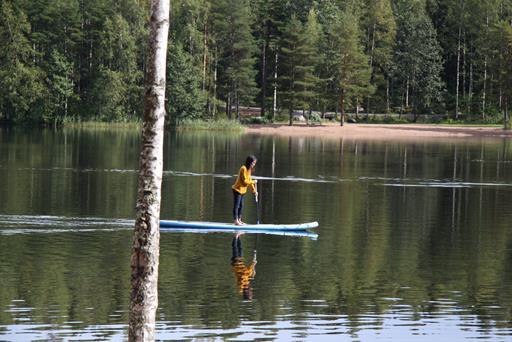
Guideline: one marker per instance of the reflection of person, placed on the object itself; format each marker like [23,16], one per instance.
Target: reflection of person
[244,274]
[243,181]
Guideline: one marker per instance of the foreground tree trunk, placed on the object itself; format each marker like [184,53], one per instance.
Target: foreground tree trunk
[146,240]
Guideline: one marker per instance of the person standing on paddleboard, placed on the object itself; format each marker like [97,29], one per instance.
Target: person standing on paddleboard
[243,181]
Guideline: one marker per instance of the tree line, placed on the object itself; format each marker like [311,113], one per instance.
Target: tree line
[71,60]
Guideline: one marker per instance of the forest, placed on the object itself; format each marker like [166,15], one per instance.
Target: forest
[84,60]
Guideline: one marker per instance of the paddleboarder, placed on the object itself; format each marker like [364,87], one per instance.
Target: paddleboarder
[243,181]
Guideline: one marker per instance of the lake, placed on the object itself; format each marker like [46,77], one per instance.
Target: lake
[414,242]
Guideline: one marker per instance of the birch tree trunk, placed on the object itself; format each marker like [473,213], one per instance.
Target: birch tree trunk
[274,102]
[485,66]
[263,76]
[371,67]
[146,240]
[458,77]
[205,55]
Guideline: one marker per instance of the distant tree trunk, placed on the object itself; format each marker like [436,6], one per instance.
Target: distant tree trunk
[371,67]
[485,88]
[263,76]
[506,123]
[205,55]
[237,105]
[407,93]
[387,95]
[274,105]
[214,107]
[458,76]
[470,89]
[484,91]
[146,240]
[342,107]
[229,103]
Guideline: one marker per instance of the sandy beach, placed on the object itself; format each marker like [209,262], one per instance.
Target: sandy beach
[381,131]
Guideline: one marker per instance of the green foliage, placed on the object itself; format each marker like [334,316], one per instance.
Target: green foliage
[418,61]
[255,120]
[185,99]
[60,87]
[315,117]
[235,48]
[380,28]
[299,82]
[350,69]
[213,125]
[67,60]
[20,80]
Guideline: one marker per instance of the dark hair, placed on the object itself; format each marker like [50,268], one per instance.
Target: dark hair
[249,161]
[247,293]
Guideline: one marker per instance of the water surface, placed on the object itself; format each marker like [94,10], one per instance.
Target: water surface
[414,238]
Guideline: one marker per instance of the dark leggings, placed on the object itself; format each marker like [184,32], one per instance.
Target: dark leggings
[238,203]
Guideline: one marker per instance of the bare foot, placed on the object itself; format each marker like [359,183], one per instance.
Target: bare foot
[237,223]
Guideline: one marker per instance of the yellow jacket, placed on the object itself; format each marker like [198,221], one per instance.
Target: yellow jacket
[244,181]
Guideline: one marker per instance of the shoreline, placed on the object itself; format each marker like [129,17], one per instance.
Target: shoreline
[380,131]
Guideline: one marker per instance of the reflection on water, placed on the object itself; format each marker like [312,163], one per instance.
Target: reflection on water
[244,274]
[414,239]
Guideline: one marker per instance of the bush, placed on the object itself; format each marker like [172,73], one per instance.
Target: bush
[315,118]
[258,120]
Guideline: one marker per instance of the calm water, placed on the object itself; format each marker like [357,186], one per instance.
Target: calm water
[415,240]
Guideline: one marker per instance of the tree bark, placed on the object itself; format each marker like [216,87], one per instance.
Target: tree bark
[485,88]
[146,240]
[274,104]
[342,107]
[458,77]
[371,67]
[263,76]
[484,91]
[205,55]
[387,96]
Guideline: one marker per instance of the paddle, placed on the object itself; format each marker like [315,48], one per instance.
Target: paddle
[257,205]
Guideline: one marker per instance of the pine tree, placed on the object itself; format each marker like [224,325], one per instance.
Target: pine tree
[351,76]
[312,60]
[290,72]
[235,51]
[186,100]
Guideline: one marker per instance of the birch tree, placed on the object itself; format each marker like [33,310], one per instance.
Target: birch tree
[146,241]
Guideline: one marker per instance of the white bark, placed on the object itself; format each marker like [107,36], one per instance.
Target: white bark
[485,87]
[484,92]
[274,104]
[458,77]
[146,242]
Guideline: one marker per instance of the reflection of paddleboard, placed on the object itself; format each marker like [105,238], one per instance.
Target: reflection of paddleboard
[299,233]
[220,225]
